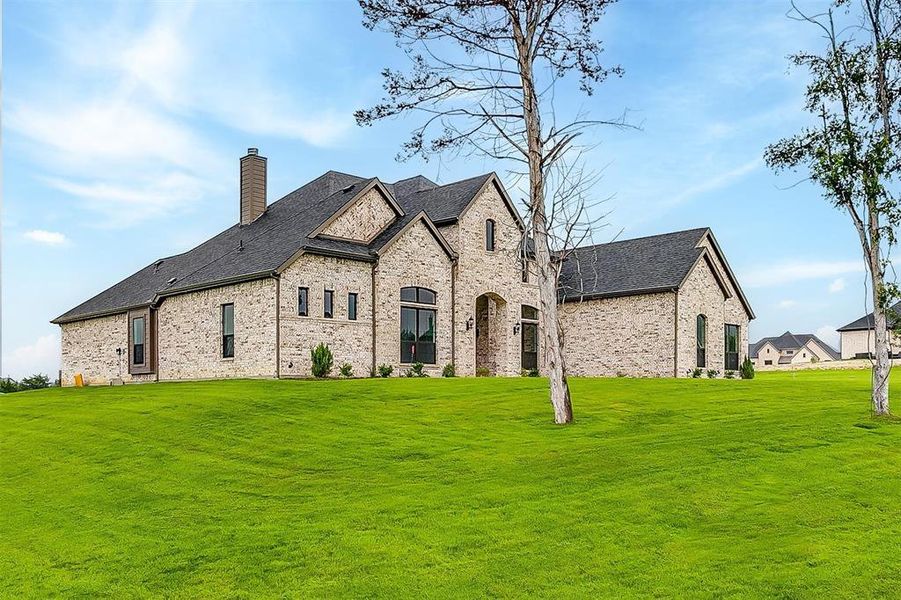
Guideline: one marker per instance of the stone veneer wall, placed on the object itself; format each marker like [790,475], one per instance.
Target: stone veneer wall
[701,294]
[349,341]
[89,348]
[415,259]
[628,335]
[479,272]
[364,220]
[190,333]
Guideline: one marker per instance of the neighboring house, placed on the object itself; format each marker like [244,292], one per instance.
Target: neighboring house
[398,273]
[790,349]
[857,339]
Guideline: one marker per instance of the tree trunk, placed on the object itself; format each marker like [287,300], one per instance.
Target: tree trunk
[882,361]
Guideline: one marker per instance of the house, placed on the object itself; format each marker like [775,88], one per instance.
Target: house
[790,349]
[397,273]
[857,339]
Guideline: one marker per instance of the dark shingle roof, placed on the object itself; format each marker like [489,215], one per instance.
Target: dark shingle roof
[866,322]
[259,248]
[792,341]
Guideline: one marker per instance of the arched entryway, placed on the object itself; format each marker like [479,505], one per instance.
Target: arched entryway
[492,335]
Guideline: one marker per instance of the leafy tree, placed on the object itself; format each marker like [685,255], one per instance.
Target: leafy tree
[851,148]
[37,381]
[483,75]
[9,385]
[322,360]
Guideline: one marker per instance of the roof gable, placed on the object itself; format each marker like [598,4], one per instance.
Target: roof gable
[368,212]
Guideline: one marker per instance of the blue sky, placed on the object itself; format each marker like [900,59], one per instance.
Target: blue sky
[123,124]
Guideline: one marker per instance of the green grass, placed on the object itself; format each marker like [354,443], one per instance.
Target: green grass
[783,486]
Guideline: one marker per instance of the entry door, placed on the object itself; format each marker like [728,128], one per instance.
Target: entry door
[530,345]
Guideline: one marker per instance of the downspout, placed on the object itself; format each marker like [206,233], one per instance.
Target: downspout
[374,265]
[278,327]
[676,334]
[454,313]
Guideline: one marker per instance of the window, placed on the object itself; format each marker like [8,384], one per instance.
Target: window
[529,312]
[731,363]
[789,351]
[489,235]
[417,294]
[529,337]
[525,271]
[137,338]
[328,301]
[228,331]
[303,302]
[767,362]
[352,306]
[417,335]
[701,336]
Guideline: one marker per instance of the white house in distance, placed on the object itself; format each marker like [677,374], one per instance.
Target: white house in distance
[791,349]
[857,336]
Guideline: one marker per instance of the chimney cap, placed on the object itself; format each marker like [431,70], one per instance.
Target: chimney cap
[253,151]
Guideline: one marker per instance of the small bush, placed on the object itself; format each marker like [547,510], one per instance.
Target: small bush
[416,370]
[322,359]
[533,372]
[9,385]
[482,372]
[747,369]
[712,373]
[38,381]
[346,370]
[729,374]
[449,370]
[696,373]
[385,370]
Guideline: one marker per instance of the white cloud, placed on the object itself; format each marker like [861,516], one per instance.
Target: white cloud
[51,238]
[837,285]
[41,356]
[828,334]
[787,303]
[716,182]
[788,272]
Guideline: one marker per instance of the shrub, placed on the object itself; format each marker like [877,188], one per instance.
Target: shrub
[482,372]
[449,370]
[696,373]
[416,370]
[533,372]
[747,369]
[9,385]
[712,373]
[385,370]
[346,370]
[729,374]
[322,359]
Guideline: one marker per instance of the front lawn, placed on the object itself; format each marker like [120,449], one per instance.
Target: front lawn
[778,487]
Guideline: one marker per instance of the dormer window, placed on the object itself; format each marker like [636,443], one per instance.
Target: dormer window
[489,235]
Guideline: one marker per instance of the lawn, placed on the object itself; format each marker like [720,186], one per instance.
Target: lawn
[783,486]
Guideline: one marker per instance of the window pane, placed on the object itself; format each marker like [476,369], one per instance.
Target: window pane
[327,303]
[426,296]
[702,331]
[408,294]
[228,346]
[425,353]
[426,325]
[489,235]
[529,346]
[303,301]
[352,307]
[137,335]
[228,319]
[529,312]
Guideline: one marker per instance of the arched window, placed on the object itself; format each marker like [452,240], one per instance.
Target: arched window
[702,340]
[417,325]
[489,235]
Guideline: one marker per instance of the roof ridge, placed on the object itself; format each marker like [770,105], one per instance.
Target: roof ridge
[644,237]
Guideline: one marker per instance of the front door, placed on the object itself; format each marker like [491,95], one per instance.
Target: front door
[529,346]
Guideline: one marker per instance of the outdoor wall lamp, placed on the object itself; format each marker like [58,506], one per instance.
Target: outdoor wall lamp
[516,329]
[469,323]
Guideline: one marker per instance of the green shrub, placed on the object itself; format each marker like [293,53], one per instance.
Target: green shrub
[346,370]
[9,385]
[449,370]
[416,370]
[696,373]
[385,370]
[533,372]
[482,372]
[729,374]
[747,369]
[322,359]
[712,373]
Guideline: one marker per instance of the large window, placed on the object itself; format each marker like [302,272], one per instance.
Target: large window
[731,362]
[489,235]
[701,336]
[328,304]
[529,353]
[303,301]
[137,339]
[228,331]
[352,306]
[417,326]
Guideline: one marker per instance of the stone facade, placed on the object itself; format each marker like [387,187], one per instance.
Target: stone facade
[89,347]
[363,220]
[629,335]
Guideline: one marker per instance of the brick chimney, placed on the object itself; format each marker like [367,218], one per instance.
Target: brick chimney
[253,186]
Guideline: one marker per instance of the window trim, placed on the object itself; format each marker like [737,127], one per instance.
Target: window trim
[418,310]
[330,295]
[417,289]
[149,363]
[305,292]
[224,347]
[356,299]
[701,344]
[490,235]
[726,353]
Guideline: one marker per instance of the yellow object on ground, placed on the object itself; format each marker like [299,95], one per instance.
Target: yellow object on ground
[79,380]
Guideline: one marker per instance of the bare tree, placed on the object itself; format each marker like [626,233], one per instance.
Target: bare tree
[852,151]
[483,75]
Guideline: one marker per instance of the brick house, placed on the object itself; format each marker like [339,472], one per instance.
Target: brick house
[858,337]
[791,349]
[398,273]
